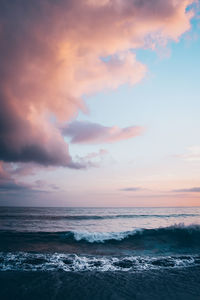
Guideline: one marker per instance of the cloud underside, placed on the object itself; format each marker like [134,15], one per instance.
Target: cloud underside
[189,190]
[87,132]
[10,183]
[166,194]
[51,55]
[131,189]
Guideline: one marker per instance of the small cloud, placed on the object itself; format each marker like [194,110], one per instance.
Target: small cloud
[190,190]
[92,155]
[82,132]
[92,159]
[192,154]
[44,184]
[131,189]
[54,186]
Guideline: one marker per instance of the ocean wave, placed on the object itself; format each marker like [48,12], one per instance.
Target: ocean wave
[100,237]
[92,217]
[76,263]
[177,231]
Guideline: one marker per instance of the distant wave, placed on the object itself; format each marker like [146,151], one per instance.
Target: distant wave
[92,217]
[72,263]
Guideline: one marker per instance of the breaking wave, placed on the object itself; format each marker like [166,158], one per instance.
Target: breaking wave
[23,261]
[177,236]
[180,234]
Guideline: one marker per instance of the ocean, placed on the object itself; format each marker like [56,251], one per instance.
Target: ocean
[99,253]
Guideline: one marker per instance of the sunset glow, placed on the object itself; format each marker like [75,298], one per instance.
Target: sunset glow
[99,103]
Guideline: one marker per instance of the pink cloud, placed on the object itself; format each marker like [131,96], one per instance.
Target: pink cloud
[50,57]
[86,132]
[10,183]
[92,159]
[7,183]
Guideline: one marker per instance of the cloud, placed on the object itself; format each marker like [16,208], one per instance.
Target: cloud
[8,184]
[190,190]
[50,56]
[131,189]
[4,176]
[101,153]
[87,132]
[92,159]
[21,169]
[12,186]
[43,184]
[192,155]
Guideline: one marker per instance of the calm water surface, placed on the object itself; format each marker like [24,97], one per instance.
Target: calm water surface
[94,219]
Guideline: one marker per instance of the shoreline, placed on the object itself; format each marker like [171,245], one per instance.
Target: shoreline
[179,284]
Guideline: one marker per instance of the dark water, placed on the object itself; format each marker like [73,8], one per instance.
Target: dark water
[99,253]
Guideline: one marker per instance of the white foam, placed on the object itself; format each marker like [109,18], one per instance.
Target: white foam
[101,237]
[74,263]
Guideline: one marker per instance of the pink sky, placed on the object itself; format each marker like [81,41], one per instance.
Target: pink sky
[54,57]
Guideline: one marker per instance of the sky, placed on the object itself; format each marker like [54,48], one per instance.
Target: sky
[99,103]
